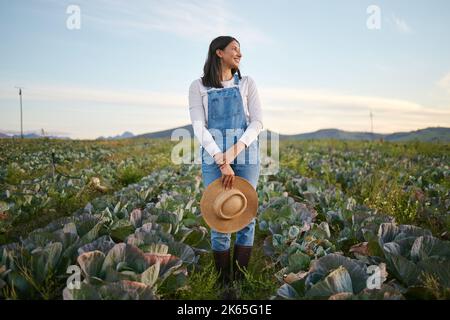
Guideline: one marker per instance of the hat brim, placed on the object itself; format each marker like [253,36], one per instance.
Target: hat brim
[234,224]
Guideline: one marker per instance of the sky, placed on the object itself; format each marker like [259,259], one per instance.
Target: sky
[105,67]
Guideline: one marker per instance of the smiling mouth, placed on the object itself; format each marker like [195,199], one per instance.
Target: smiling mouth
[237,60]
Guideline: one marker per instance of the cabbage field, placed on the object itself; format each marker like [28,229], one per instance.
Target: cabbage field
[118,220]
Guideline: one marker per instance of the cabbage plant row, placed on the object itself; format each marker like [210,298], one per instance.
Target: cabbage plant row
[123,246]
[128,244]
[330,247]
[43,177]
[410,181]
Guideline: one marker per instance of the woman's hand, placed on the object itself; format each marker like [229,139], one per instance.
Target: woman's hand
[233,152]
[227,176]
[219,158]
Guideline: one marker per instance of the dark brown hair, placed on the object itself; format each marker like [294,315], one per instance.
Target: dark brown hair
[212,69]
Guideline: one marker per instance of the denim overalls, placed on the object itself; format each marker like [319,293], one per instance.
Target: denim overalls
[226,111]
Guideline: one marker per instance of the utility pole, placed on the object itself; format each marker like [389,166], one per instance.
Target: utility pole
[371,123]
[21,119]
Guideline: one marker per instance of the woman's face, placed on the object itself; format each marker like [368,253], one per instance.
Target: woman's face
[231,55]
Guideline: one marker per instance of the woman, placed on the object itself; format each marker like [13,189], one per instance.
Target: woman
[226,116]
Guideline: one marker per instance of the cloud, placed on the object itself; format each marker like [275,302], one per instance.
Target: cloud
[196,19]
[401,24]
[106,96]
[444,82]
[296,110]
[285,109]
[279,97]
[335,99]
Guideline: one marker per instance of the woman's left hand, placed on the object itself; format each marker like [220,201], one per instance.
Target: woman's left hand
[233,152]
[227,176]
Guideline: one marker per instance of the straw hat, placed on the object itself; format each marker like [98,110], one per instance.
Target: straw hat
[230,210]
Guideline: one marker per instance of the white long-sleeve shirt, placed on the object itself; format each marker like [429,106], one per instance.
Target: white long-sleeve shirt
[198,110]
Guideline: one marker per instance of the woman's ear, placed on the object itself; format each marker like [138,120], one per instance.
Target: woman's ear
[219,53]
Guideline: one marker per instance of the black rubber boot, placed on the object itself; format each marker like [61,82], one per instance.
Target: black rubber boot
[223,267]
[241,257]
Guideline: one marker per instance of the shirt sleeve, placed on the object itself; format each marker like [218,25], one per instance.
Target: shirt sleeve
[197,115]
[255,114]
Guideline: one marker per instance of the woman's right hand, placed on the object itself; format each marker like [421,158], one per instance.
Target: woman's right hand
[227,176]
[219,158]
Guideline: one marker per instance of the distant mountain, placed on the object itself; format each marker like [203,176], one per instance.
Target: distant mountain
[427,134]
[165,133]
[125,135]
[332,134]
[30,135]
[430,134]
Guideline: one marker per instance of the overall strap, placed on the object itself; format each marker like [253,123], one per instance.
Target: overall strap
[236,79]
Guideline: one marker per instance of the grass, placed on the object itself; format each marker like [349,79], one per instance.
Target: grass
[49,288]
[129,174]
[201,284]
[134,159]
[258,283]
[60,206]
[382,188]
[389,166]
[435,289]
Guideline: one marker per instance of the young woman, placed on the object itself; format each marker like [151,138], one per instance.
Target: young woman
[226,116]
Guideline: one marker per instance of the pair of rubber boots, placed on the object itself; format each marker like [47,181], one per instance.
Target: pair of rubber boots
[241,257]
